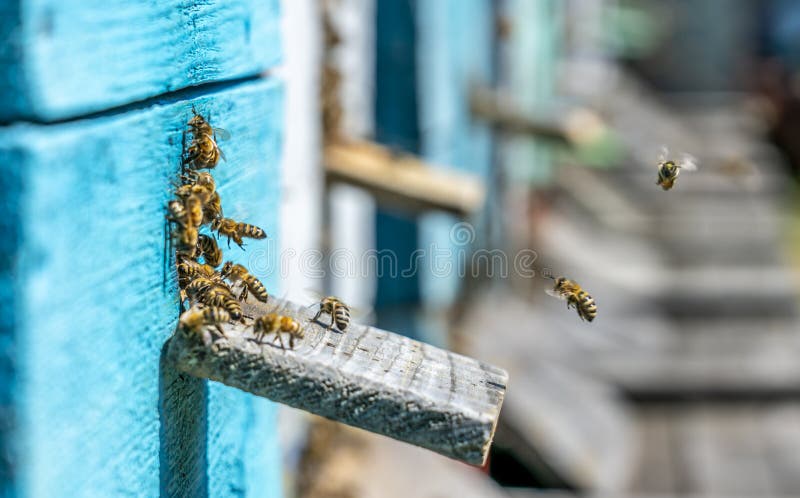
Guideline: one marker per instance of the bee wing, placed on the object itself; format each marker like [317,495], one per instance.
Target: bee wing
[688,162]
[663,154]
[221,134]
[222,155]
[555,293]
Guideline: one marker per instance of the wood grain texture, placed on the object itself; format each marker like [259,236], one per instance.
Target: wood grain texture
[65,58]
[95,297]
[365,377]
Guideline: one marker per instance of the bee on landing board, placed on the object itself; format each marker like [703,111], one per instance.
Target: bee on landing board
[575,296]
[668,169]
[272,323]
[250,284]
[193,320]
[203,152]
[339,312]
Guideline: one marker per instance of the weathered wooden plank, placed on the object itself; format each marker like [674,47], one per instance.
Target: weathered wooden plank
[66,58]
[365,377]
[402,181]
[95,297]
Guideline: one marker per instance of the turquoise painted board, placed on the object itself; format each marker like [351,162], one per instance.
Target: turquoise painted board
[65,58]
[94,296]
[455,51]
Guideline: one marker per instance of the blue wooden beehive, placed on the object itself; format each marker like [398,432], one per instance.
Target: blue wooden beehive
[96,97]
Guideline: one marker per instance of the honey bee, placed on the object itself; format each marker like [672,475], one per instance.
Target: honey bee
[575,296]
[339,312]
[202,179]
[236,230]
[189,270]
[668,170]
[212,209]
[208,248]
[186,234]
[202,193]
[272,323]
[204,153]
[238,273]
[194,211]
[213,293]
[195,318]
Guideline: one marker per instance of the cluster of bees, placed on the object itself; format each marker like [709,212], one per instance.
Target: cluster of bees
[215,296]
[569,290]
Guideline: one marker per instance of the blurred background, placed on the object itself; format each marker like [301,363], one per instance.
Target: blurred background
[444,154]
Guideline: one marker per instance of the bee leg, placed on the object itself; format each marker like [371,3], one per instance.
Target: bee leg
[291,341]
[243,294]
[279,338]
[315,316]
[221,332]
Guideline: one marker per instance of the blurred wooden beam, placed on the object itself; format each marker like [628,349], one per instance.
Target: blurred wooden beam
[577,126]
[365,377]
[402,181]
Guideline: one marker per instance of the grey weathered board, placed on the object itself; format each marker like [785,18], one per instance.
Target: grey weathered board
[365,377]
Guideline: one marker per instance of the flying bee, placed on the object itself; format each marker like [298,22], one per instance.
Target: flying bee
[208,248]
[212,209]
[668,170]
[339,312]
[250,284]
[195,318]
[235,230]
[272,323]
[575,296]
[204,153]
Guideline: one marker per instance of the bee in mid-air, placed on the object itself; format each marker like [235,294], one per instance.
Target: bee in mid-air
[194,319]
[668,169]
[575,296]
[238,273]
[208,248]
[272,323]
[236,230]
[204,153]
[339,312]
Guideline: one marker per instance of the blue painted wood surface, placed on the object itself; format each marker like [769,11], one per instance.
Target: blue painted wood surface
[65,58]
[89,297]
[455,52]
[396,125]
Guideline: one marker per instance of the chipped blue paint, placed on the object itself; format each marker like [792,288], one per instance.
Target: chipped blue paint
[83,257]
[65,58]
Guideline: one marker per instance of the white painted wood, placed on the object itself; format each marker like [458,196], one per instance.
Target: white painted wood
[365,377]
